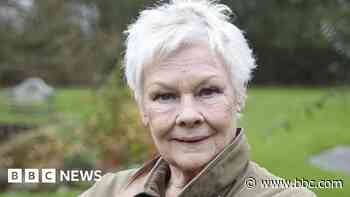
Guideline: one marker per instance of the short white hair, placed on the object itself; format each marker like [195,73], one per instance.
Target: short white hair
[163,29]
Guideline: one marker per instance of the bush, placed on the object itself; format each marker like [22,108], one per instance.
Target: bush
[114,130]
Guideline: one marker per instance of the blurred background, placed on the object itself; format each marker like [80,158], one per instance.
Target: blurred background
[64,103]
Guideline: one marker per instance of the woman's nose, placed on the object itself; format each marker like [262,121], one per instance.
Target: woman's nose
[188,115]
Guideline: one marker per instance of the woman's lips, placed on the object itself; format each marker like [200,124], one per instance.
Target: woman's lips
[194,139]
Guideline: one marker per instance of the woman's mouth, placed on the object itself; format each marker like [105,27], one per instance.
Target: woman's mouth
[194,139]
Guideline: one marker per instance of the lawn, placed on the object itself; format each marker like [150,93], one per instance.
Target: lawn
[284,127]
[68,103]
[287,125]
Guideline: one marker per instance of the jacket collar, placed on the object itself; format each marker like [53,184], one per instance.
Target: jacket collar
[224,171]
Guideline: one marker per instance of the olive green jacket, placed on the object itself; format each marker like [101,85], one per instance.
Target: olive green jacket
[229,174]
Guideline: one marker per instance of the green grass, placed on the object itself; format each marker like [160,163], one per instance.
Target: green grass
[284,126]
[282,134]
[68,103]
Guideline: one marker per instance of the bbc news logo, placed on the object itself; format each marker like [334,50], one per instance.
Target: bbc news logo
[51,175]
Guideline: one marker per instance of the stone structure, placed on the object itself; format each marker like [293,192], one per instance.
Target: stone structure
[31,91]
[335,159]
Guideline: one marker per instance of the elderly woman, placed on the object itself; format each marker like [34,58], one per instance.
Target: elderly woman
[188,68]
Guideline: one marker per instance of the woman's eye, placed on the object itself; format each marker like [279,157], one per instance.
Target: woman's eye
[164,97]
[209,91]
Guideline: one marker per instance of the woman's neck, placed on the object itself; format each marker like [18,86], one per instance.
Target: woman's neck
[178,180]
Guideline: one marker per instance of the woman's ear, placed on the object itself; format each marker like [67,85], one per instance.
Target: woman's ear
[237,105]
[239,108]
[144,117]
[240,100]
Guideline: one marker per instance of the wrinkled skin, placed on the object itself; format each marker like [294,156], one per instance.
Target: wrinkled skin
[189,106]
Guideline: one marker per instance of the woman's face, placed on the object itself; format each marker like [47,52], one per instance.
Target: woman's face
[188,104]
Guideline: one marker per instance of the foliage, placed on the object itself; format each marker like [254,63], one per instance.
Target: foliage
[54,44]
[115,131]
[295,41]
[39,148]
[56,143]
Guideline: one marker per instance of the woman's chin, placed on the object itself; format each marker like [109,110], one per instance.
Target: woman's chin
[192,161]
[189,157]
